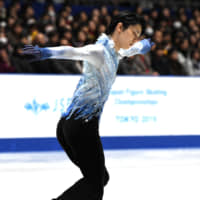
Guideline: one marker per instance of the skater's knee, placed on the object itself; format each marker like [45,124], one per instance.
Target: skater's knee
[106,178]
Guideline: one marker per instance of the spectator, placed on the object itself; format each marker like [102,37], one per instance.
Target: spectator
[176,68]
[197,34]
[24,39]
[96,16]
[196,12]
[167,40]
[198,44]
[5,63]
[53,39]
[96,12]
[154,18]
[49,28]
[15,34]
[137,65]
[159,61]
[183,18]
[27,12]
[62,24]
[104,15]
[3,37]
[10,22]
[158,36]
[68,10]
[40,39]
[21,64]
[184,56]
[198,21]
[139,9]
[14,9]
[166,15]
[67,34]
[107,20]
[193,40]
[115,12]
[104,11]
[3,11]
[195,55]
[81,39]
[101,29]
[85,28]
[45,19]
[64,41]
[92,33]
[192,26]
[95,19]
[50,11]
[83,18]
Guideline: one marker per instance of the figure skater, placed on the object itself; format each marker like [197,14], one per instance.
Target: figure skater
[78,127]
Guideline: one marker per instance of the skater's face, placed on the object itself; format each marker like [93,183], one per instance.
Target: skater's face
[125,38]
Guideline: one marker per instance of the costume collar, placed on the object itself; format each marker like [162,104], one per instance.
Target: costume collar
[109,43]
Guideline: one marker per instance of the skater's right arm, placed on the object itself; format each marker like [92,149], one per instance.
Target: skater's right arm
[91,53]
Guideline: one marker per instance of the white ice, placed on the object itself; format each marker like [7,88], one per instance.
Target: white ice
[134,175]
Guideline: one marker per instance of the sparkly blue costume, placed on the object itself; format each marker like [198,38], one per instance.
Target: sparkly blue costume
[99,72]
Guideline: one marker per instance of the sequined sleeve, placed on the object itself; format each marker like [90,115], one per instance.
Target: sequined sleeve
[92,53]
[140,47]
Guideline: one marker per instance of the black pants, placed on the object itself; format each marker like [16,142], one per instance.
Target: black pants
[82,143]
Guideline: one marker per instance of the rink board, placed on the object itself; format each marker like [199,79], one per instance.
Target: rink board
[109,143]
[141,112]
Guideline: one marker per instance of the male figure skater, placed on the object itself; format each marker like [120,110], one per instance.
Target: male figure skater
[78,128]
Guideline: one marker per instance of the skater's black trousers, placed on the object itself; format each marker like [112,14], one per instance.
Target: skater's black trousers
[82,143]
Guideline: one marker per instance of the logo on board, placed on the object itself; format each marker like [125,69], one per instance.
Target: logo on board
[36,107]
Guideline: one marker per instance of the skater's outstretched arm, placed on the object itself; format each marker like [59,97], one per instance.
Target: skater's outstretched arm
[91,53]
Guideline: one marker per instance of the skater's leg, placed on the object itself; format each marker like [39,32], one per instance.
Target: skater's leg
[64,143]
[87,146]
[106,177]
[79,189]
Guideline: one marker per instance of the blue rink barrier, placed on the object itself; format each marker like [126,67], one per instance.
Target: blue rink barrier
[109,143]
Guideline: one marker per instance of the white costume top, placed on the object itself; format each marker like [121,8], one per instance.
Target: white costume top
[99,72]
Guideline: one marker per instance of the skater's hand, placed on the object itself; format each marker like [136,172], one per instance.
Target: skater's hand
[146,45]
[32,53]
[140,47]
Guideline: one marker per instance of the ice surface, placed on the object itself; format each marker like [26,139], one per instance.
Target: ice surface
[134,175]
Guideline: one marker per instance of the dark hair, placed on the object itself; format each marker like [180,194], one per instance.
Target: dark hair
[127,18]
[171,50]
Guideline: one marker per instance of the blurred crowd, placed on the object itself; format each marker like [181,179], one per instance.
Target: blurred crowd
[176,32]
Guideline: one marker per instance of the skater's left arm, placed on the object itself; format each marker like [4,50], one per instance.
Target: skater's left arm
[140,47]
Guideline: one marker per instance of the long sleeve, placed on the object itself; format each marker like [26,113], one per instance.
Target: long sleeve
[141,47]
[91,53]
